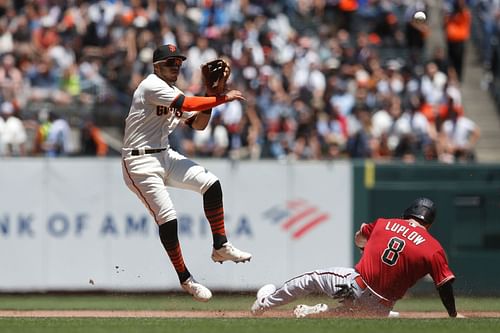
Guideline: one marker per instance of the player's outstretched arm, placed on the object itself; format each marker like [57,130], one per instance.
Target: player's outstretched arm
[200,103]
[448,299]
[204,106]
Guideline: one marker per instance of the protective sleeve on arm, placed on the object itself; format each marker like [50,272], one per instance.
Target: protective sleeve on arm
[199,103]
[447,297]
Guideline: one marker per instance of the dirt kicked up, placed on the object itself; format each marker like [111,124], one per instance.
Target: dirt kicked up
[212,314]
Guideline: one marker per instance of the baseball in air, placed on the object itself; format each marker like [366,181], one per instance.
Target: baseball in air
[420,16]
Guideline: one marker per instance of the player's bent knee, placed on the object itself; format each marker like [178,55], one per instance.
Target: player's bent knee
[211,184]
[214,191]
[165,215]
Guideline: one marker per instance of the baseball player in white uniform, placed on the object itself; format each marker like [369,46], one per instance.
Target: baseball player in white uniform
[150,165]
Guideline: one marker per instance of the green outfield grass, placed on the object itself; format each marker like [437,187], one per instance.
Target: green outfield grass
[246,325]
[229,325]
[218,302]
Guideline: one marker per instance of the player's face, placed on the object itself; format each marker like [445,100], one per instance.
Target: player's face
[169,69]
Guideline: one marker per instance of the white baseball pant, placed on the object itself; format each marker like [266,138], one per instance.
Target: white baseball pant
[149,175]
[327,281]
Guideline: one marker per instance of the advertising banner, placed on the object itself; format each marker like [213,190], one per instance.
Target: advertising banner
[72,224]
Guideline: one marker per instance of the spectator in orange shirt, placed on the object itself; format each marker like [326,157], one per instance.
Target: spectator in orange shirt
[92,143]
[46,35]
[457,27]
[346,10]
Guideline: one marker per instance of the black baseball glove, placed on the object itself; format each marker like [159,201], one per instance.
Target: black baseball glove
[215,75]
[345,292]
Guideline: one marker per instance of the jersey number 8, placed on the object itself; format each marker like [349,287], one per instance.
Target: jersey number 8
[391,253]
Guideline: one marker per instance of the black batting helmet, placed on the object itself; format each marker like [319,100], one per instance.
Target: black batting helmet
[422,209]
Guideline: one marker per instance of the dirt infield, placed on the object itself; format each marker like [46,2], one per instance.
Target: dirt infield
[204,314]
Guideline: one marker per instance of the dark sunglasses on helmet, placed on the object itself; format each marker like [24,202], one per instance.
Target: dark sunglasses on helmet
[172,62]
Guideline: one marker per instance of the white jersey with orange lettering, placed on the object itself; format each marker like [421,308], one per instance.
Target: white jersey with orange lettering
[149,163]
[154,114]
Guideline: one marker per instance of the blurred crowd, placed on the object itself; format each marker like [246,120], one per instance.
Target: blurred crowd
[324,79]
[486,37]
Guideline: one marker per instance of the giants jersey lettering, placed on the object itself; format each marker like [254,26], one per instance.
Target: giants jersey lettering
[153,116]
[399,253]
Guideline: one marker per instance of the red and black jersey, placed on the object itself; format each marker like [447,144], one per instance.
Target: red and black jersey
[397,254]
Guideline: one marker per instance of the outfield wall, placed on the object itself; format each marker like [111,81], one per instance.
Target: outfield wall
[71,224]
